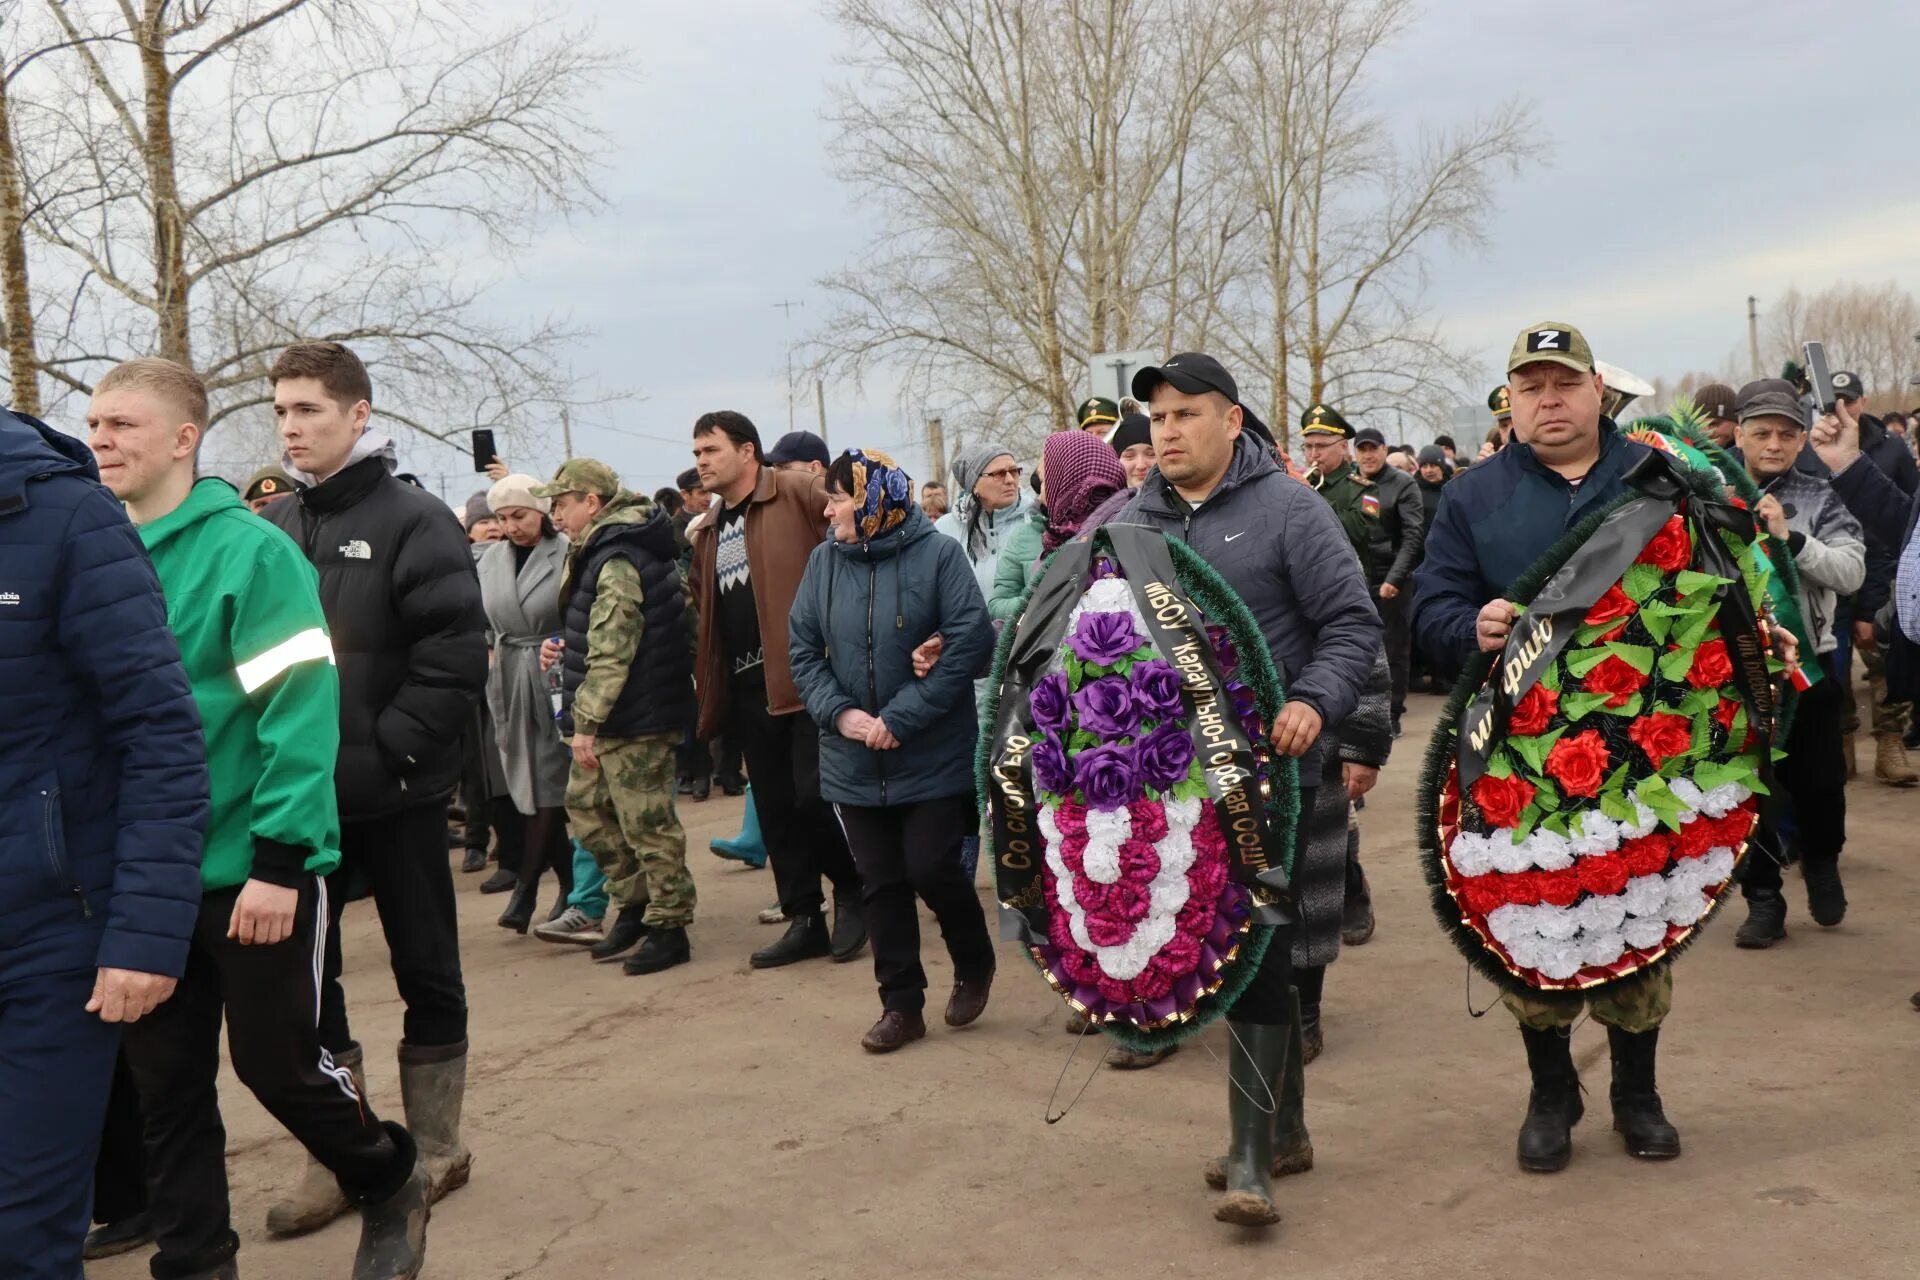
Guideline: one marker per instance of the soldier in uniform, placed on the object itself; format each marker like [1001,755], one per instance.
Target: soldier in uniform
[265,487]
[1500,434]
[1325,437]
[1098,415]
[627,699]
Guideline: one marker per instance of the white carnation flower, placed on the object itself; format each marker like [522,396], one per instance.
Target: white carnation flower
[1717,864]
[1723,799]
[1599,915]
[1595,834]
[1471,854]
[1549,850]
[1644,821]
[1646,896]
[1601,948]
[1686,909]
[1508,856]
[1644,931]
[1685,792]
[1526,950]
[1560,961]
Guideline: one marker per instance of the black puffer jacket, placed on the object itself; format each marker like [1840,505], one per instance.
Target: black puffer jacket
[409,635]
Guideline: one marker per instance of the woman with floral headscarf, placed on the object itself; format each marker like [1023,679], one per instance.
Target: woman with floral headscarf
[1078,472]
[896,752]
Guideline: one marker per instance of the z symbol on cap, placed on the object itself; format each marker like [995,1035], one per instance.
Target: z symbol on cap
[1544,340]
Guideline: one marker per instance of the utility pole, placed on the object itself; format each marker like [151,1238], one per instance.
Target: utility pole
[937,449]
[787,306]
[1753,334]
[566,431]
[820,403]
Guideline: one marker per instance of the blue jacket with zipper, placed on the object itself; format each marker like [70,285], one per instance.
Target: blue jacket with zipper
[103,772]
[862,609]
[1496,518]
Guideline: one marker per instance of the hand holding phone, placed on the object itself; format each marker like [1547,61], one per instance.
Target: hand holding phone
[483,448]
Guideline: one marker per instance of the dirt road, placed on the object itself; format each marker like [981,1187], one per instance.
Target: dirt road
[717,1122]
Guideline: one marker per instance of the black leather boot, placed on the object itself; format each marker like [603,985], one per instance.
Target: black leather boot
[1766,921]
[627,929]
[1826,899]
[806,937]
[849,929]
[1637,1113]
[662,949]
[519,913]
[1554,1106]
[1256,1062]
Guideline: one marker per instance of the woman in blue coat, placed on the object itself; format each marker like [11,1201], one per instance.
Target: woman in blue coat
[896,752]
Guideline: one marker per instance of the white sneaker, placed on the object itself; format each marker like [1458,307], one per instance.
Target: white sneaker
[773,915]
[572,926]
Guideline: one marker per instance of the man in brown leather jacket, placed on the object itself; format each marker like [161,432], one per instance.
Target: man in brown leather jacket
[748,558]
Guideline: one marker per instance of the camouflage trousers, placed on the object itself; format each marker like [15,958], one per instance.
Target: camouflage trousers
[1633,1007]
[1888,717]
[622,812]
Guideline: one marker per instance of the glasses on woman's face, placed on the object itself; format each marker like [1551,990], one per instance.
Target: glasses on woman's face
[1005,473]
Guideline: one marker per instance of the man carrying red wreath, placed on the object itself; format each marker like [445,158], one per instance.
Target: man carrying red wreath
[1566,459]
[1807,520]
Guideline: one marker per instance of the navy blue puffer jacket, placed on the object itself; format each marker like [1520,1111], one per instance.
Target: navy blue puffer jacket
[103,777]
[862,609]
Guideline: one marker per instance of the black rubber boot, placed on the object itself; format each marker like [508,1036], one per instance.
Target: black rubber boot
[1637,1114]
[1554,1106]
[1766,921]
[627,929]
[1257,1058]
[1292,1146]
[1826,899]
[1312,1041]
[806,937]
[393,1230]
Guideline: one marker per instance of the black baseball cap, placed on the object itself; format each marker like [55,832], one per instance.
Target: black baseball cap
[1369,435]
[1847,385]
[1195,373]
[799,446]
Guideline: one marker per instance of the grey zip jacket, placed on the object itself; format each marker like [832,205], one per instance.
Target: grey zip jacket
[1281,548]
[1828,548]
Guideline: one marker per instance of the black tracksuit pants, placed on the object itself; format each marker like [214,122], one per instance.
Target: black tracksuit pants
[403,856]
[803,840]
[1812,778]
[269,996]
[905,851]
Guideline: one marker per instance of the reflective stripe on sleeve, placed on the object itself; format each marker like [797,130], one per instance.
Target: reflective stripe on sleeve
[309,646]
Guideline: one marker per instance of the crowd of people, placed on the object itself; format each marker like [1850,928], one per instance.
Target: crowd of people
[237,711]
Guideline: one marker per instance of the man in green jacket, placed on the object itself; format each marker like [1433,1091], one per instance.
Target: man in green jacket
[244,604]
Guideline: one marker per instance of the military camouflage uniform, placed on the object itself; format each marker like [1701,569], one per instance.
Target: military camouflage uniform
[1634,1007]
[623,812]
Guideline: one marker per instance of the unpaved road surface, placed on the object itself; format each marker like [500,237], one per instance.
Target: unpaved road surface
[718,1122]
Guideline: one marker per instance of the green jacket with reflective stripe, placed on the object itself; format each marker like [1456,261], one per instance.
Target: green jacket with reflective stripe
[244,604]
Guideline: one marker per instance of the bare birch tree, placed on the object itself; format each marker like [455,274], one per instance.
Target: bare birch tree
[270,170]
[1869,329]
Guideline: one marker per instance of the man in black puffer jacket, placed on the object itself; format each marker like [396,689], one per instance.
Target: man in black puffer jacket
[627,659]
[402,601]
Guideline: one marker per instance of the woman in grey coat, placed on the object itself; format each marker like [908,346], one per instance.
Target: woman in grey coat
[520,587]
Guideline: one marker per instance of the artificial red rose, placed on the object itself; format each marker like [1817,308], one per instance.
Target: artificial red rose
[1670,549]
[1605,876]
[1533,712]
[1711,666]
[1502,799]
[1647,856]
[1611,607]
[1559,888]
[1615,678]
[1696,837]
[1482,895]
[1662,736]
[1579,764]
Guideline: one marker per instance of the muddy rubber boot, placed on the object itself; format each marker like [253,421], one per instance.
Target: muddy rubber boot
[1637,1113]
[1256,1059]
[1766,922]
[393,1231]
[1554,1106]
[318,1199]
[433,1087]
[1292,1146]
[1890,761]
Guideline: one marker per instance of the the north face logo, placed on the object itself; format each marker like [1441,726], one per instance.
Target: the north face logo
[357,550]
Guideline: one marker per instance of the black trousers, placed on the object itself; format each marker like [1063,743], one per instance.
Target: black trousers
[404,859]
[1812,779]
[1399,641]
[269,995]
[909,850]
[474,795]
[1265,999]
[803,840]
[120,1170]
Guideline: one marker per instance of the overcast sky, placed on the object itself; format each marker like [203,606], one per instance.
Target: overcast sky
[1702,150]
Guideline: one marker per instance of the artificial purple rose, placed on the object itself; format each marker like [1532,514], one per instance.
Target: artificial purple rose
[1104,637]
[1051,772]
[1106,707]
[1105,776]
[1164,757]
[1052,712]
[1156,689]
[1223,650]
